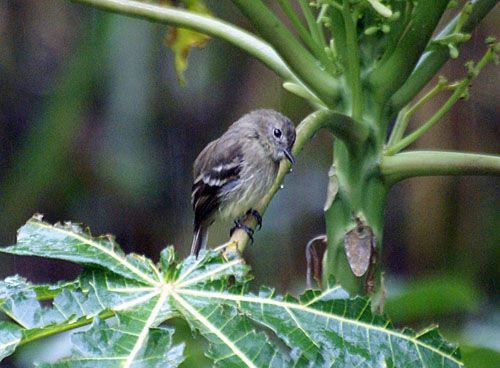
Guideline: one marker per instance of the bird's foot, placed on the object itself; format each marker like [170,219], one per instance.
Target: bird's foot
[256,215]
[245,228]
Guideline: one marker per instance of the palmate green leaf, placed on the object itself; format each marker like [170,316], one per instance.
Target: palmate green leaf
[244,329]
[325,328]
[71,242]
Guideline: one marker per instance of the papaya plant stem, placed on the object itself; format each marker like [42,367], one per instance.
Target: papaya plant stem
[300,61]
[434,57]
[461,89]
[313,45]
[353,62]
[208,25]
[342,127]
[432,163]
[390,75]
[297,24]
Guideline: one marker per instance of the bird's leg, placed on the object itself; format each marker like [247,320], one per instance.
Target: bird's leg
[256,215]
[239,225]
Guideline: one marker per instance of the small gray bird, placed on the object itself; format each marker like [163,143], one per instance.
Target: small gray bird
[234,172]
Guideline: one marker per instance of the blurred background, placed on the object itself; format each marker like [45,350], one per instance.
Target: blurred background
[95,128]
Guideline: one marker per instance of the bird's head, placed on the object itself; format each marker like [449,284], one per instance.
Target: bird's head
[276,133]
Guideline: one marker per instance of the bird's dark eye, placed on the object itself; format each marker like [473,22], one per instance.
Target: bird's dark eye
[277,133]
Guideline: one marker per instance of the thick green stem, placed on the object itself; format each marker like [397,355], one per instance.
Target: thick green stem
[208,25]
[302,63]
[342,127]
[432,163]
[353,66]
[361,197]
[315,46]
[436,55]
[388,77]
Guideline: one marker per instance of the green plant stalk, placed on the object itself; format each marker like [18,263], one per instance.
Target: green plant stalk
[434,57]
[297,24]
[461,88]
[400,125]
[338,35]
[388,77]
[353,61]
[405,8]
[301,62]
[342,127]
[314,27]
[432,163]
[314,46]
[211,26]
[405,114]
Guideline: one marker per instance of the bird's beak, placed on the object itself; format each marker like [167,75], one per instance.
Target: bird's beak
[289,156]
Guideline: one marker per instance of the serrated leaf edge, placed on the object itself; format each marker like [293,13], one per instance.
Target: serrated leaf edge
[96,245]
[308,309]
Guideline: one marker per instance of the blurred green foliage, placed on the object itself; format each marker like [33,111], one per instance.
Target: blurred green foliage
[433,298]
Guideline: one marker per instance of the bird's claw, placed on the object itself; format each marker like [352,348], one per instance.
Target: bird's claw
[257,216]
[245,228]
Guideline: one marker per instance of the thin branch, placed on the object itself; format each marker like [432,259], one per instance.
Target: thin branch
[301,62]
[434,57]
[433,163]
[405,114]
[460,90]
[319,19]
[211,26]
[409,139]
[342,127]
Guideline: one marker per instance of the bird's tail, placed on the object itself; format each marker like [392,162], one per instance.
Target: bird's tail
[199,239]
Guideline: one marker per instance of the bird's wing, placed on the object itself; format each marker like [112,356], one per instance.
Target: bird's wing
[214,174]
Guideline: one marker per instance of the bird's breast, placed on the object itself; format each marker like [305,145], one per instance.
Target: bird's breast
[254,183]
